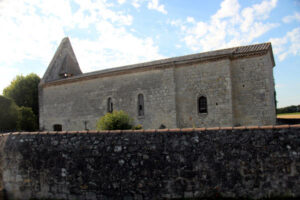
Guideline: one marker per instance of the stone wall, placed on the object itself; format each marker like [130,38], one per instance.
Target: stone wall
[209,79]
[253,91]
[152,164]
[239,92]
[72,104]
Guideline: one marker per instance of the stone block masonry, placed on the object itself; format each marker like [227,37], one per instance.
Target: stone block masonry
[236,162]
[236,86]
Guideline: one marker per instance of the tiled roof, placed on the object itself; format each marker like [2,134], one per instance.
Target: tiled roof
[235,52]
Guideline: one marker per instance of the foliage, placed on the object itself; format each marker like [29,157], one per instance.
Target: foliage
[8,114]
[117,120]
[26,119]
[289,109]
[286,114]
[137,127]
[24,91]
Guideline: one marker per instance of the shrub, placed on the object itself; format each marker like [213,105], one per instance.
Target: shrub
[137,127]
[8,114]
[26,119]
[117,120]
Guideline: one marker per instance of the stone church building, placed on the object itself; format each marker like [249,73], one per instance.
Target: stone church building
[228,87]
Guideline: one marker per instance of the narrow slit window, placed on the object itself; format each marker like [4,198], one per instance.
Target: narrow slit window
[141,111]
[57,127]
[202,104]
[109,105]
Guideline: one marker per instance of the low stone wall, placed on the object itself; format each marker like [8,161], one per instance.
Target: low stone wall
[152,164]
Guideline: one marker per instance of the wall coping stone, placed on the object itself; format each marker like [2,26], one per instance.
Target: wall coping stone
[177,130]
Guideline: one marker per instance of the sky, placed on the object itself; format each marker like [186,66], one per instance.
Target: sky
[111,33]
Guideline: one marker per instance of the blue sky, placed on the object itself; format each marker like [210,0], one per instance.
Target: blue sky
[107,34]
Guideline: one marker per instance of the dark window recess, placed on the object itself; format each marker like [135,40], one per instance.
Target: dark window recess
[202,104]
[57,127]
[65,75]
[109,105]
[85,125]
[141,111]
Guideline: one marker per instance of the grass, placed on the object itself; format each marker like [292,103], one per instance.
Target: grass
[296,113]
[289,115]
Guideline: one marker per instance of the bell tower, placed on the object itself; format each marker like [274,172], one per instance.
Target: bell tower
[63,64]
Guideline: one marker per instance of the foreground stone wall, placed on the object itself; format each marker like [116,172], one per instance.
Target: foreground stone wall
[152,164]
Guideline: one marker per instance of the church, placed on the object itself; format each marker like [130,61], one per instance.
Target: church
[227,87]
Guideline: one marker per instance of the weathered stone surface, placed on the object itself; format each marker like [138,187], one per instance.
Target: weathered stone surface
[248,162]
[237,82]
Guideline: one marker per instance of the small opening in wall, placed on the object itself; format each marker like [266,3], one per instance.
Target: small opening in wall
[216,104]
[66,75]
[202,104]
[109,105]
[243,85]
[85,125]
[140,105]
[57,127]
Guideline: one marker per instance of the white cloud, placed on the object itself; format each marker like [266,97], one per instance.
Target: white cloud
[136,3]
[287,45]
[175,22]
[7,77]
[190,19]
[114,47]
[263,9]
[121,1]
[154,5]
[291,18]
[151,5]
[34,28]
[229,26]
[229,8]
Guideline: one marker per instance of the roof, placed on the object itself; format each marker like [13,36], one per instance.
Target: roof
[232,53]
[63,62]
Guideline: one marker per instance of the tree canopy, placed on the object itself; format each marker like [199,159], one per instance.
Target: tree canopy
[26,119]
[289,109]
[8,114]
[24,91]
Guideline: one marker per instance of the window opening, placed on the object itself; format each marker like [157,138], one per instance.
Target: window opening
[85,125]
[57,127]
[202,104]
[141,105]
[109,105]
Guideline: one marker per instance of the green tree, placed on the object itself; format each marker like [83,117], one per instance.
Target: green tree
[8,114]
[26,119]
[24,91]
[117,120]
[289,109]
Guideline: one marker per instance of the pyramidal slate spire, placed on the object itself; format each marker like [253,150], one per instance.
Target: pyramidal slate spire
[63,64]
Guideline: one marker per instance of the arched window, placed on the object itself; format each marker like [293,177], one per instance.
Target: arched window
[109,105]
[57,127]
[202,104]
[141,111]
